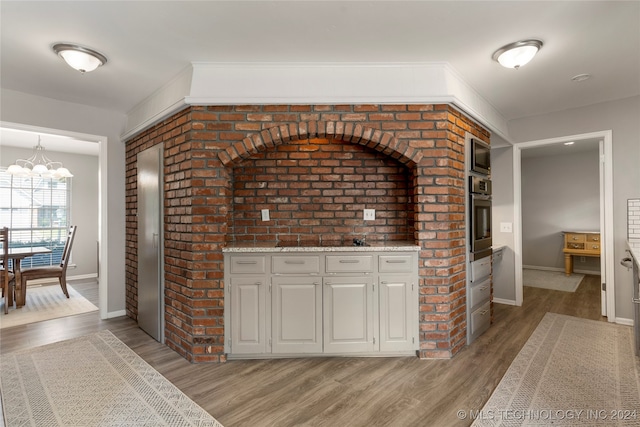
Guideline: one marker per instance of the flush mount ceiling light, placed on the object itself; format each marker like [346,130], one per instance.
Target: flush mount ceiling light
[515,55]
[580,78]
[78,57]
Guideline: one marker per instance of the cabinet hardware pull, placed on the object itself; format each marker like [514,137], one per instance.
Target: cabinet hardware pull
[635,300]
[349,261]
[595,239]
[246,262]
[383,283]
[484,288]
[258,283]
[396,261]
[574,238]
[596,247]
[482,313]
[317,283]
[293,262]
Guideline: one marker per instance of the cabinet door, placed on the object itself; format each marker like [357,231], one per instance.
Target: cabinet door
[248,316]
[348,315]
[398,308]
[297,315]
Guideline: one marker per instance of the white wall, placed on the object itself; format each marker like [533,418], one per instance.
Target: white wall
[31,110]
[559,193]
[622,117]
[84,203]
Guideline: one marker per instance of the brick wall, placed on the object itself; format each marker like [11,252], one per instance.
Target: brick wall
[316,190]
[211,153]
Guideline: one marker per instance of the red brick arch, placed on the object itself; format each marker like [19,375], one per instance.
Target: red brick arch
[355,133]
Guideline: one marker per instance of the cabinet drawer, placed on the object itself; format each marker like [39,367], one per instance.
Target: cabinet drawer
[480,269]
[593,238]
[394,263]
[593,246]
[480,292]
[574,238]
[481,318]
[573,245]
[349,263]
[247,264]
[288,264]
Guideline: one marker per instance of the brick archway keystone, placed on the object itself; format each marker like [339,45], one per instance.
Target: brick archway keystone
[355,133]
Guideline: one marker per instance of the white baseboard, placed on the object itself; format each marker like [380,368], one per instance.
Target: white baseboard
[589,272]
[83,276]
[504,301]
[624,321]
[119,313]
[69,278]
[537,267]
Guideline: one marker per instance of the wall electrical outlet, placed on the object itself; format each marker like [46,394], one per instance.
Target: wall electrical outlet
[265,214]
[506,227]
[369,215]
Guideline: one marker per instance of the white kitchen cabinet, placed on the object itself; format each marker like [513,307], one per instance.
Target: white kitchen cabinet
[297,314]
[398,308]
[289,303]
[248,314]
[348,315]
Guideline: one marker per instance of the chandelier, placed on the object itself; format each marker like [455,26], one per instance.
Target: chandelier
[39,165]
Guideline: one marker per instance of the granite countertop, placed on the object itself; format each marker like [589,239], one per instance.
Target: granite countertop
[249,247]
[634,248]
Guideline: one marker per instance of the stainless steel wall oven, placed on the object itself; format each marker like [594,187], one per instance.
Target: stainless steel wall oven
[480,217]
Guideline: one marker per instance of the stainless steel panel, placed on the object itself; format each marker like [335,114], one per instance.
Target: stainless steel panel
[479,185]
[480,269]
[480,292]
[481,319]
[150,238]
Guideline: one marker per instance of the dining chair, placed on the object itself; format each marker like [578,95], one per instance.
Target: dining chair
[5,274]
[55,271]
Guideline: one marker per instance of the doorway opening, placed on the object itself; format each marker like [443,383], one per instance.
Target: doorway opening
[605,173]
[78,140]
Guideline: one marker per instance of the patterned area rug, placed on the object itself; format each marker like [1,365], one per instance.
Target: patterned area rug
[555,280]
[94,380]
[570,372]
[45,303]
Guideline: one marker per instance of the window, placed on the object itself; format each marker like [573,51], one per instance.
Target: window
[38,213]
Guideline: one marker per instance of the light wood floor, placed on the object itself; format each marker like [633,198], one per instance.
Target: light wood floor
[335,391]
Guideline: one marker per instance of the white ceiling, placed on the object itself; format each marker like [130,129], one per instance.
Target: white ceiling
[560,149]
[65,144]
[149,42]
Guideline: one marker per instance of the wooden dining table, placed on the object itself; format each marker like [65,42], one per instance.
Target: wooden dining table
[17,255]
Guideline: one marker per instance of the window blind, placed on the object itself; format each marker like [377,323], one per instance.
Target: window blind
[37,211]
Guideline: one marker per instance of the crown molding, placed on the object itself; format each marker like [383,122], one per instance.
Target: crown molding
[206,83]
